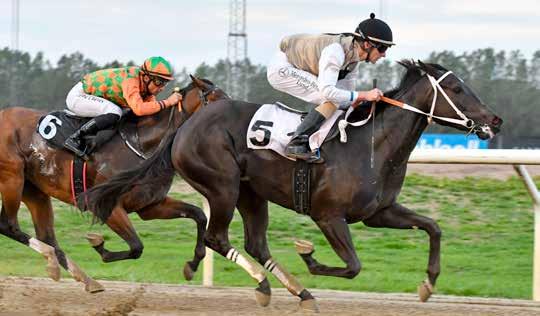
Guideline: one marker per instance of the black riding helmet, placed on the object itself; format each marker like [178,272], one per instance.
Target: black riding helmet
[375,31]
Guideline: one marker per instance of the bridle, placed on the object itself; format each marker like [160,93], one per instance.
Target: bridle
[436,85]
[203,96]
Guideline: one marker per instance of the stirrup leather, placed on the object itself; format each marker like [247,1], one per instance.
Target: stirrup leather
[72,145]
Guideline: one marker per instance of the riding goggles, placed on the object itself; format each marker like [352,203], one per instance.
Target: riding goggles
[159,82]
[380,47]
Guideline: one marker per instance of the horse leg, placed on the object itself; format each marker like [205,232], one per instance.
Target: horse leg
[336,231]
[217,239]
[119,223]
[169,209]
[41,210]
[398,216]
[254,212]
[11,188]
[218,179]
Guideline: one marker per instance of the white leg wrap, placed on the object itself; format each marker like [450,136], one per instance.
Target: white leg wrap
[251,267]
[75,271]
[53,267]
[287,279]
[41,247]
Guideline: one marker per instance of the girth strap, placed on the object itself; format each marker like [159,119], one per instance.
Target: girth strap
[77,177]
[301,187]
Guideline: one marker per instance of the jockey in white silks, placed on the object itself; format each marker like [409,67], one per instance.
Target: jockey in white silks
[322,70]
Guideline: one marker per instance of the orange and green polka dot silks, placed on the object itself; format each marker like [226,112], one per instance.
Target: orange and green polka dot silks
[107,83]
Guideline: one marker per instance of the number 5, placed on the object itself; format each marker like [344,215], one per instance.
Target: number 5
[260,126]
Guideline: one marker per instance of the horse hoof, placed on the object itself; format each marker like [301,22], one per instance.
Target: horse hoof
[425,289]
[262,298]
[53,270]
[92,286]
[304,247]
[263,293]
[95,239]
[188,272]
[309,305]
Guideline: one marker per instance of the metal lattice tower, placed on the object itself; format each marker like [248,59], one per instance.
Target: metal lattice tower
[13,97]
[237,50]
[15,25]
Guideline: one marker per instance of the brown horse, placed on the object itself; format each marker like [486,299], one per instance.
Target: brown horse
[33,172]
[345,189]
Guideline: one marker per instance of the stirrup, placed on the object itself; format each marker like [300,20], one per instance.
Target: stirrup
[296,152]
[72,146]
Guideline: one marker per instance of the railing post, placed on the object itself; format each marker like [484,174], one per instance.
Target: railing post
[208,261]
[533,191]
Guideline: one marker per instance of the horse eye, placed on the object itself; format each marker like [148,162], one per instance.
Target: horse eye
[457,89]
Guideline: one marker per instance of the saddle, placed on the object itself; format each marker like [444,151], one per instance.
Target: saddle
[55,127]
[272,127]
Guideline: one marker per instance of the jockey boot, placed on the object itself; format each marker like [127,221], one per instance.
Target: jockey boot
[96,124]
[298,147]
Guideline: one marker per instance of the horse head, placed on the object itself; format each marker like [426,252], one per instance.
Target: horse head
[449,101]
[199,93]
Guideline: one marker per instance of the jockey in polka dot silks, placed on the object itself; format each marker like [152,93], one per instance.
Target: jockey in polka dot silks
[101,95]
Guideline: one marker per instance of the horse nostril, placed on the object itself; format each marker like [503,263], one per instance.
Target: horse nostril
[496,121]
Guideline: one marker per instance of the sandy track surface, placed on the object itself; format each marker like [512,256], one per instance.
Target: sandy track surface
[36,296]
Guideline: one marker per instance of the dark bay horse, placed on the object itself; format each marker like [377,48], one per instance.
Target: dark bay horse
[33,172]
[210,152]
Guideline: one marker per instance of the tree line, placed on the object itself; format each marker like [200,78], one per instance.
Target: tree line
[506,81]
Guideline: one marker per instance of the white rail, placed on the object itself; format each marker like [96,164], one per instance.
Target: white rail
[476,156]
[517,158]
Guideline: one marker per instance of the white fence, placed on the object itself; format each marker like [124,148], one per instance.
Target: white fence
[517,158]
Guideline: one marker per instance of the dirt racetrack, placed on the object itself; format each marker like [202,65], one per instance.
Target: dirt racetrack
[36,296]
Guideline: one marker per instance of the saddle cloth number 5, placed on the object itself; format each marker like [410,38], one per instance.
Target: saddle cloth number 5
[262,126]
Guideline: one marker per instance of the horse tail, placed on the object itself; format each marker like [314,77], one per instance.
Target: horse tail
[155,174]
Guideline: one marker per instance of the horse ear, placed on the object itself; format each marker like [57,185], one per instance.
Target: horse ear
[198,82]
[422,67]
[425,68]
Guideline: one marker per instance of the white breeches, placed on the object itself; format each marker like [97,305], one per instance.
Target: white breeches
[283,76]
[87,105]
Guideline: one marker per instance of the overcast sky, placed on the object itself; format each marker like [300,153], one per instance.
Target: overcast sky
[189,32]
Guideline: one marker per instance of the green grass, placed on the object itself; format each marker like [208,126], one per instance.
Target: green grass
[487,244]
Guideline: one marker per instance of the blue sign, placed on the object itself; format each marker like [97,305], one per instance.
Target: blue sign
[451,141]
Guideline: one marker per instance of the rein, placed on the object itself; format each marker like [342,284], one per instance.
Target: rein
[203,96]
[435,83]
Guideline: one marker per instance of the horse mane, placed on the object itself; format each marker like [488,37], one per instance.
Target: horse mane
[414,71]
